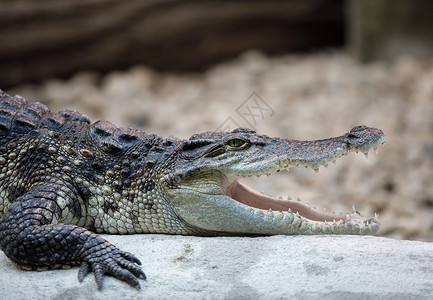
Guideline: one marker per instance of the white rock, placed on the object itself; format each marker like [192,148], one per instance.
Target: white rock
[278,267]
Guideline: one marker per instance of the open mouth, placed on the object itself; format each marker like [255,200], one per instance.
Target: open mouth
[246,195]
[250,197]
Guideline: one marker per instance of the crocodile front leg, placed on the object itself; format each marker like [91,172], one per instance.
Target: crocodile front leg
[32,237]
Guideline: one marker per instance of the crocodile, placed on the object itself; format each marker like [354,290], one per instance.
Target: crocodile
[65,180]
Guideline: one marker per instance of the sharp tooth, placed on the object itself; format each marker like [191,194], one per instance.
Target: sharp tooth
[289,197]
[316,170]
[353,209]
[289,210]
[298,199]
[376,151]
[366,154]
[297,214]
[308,203]
[325,165]
[334,162]
[280,198]
[348,217]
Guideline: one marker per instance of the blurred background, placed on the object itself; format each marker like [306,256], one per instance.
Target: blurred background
[298,69]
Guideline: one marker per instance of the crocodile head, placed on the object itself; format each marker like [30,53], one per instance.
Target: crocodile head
[203,185]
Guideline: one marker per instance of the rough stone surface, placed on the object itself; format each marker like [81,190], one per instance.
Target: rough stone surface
[278,267]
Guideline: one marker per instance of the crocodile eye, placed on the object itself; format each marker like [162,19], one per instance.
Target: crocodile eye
[237,144]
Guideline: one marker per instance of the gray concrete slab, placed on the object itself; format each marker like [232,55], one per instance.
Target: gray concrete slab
[278,267]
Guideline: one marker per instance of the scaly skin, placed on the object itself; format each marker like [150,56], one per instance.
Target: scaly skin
[62,179]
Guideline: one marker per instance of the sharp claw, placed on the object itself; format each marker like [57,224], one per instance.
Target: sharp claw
[142,275]
[134,282]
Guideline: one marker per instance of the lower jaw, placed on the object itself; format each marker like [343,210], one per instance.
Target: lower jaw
[250,197]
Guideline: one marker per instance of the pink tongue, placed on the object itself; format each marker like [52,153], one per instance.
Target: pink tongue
[250,197]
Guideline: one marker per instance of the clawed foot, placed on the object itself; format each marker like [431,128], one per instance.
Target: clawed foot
[110,260]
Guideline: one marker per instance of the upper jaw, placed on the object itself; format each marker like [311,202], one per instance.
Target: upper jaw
[279,154]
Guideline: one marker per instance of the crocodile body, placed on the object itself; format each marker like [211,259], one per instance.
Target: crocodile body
[63,180]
